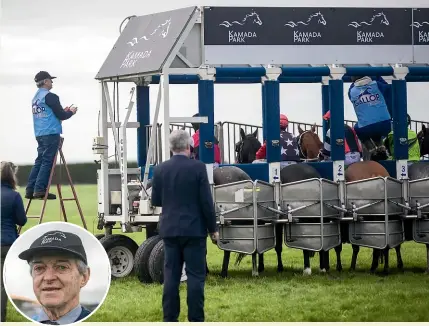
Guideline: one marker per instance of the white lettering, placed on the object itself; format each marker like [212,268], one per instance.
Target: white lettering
[305,37]
[50,239]
[132,58]
[423,37]
[240,37]
[368,37]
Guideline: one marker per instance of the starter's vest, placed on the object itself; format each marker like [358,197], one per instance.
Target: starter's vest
[289,147]
[369,104]
[413,146]
[44,120]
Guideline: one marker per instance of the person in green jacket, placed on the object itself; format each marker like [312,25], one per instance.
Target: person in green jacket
[413,144]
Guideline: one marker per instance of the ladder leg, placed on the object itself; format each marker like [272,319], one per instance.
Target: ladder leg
[73,190]
[60,197]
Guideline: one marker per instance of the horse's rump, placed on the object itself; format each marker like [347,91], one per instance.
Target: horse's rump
[229,174]
[298,172]
[365,170]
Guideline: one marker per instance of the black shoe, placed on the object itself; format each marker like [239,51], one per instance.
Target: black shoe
[41,195]
[29,195]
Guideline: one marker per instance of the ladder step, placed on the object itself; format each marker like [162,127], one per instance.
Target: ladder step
[68,199]
[33,216]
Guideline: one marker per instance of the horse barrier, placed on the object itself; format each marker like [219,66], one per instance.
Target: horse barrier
[311,212]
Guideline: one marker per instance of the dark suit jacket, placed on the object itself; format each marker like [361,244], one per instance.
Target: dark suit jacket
[181,187]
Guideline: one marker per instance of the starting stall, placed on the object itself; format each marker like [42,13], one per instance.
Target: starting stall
[267,46]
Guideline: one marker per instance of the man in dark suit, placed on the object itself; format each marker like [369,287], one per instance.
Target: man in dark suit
[181,187]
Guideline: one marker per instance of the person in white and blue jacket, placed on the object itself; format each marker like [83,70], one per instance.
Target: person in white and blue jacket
[371,100]
[47,116]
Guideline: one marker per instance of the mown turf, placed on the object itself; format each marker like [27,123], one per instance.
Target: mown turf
[288,296]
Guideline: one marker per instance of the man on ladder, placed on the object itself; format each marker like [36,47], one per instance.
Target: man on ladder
[47,116]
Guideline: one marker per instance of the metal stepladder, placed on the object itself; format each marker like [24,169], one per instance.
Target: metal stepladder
[60,196]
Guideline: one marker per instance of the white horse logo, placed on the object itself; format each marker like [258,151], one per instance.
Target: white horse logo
[380,14]
[161,30]
[256,20]
[320,20]
[418,24]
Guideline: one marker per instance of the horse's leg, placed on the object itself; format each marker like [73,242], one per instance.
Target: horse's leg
[375,259]
[338,250]
[399,261]
[254,265]
[354,257]
[324,261]
[261,266]
[307,268]
[327,264]
[279,247]
[225,264]
[385,253]
[427,254]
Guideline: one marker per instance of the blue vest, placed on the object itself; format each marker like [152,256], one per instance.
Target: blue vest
[44,120]
[369,104]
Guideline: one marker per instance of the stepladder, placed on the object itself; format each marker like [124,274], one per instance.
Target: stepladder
[62,200]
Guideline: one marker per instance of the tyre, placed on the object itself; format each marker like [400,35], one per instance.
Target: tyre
[156,263]
[121,251]
[141,259]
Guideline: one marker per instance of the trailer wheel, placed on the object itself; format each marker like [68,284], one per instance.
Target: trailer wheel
[99,236]
[141,259]
[156,263]
[120,250]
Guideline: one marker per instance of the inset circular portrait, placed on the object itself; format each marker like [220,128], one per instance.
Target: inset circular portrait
[57,273]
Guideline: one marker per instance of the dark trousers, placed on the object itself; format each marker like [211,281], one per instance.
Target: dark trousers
[376,131]
[3,298]
[192,251]
[39,175]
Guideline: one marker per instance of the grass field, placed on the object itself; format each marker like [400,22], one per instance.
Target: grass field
[288,296]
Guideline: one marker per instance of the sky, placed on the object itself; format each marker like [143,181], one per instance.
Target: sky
[71,39]
[18,280]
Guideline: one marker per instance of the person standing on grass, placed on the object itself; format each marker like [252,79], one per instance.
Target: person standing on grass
[12,214]
[47,116]
[181,187]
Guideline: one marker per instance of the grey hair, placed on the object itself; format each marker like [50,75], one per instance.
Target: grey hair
[180,140]
[40,83]
[81,266]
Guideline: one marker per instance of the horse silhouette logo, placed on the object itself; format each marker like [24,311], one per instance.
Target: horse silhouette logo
[256,20]
[381,15]
[418,24]
[54,236]
[161,30]
[320,20]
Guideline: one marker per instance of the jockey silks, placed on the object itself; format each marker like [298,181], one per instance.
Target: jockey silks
[44,120]
[351,142]
[413,146]
[369,102]
[288,147]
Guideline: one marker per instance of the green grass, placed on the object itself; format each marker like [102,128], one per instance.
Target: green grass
[289,296]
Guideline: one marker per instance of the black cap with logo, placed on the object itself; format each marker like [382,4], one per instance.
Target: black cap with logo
[57,241]
[42,75]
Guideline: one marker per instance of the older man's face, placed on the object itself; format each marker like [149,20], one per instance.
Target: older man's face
[57,281]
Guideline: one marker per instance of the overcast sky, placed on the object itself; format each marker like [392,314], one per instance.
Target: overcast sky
[71,39]
[18,280]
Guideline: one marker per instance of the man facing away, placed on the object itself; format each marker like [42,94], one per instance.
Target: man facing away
[181,187]
[370,100]
[47,116]
[59,269]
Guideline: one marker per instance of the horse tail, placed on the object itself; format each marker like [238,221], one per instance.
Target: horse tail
[382,258]
[239,259]
[312,253]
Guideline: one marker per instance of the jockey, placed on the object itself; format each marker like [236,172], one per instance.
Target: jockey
[413,144]
[196,140]
[352,145]
[374,121]
[288,145]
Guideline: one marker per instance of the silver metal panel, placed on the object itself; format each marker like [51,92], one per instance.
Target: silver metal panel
[421,231]
[394,195]
[376,234]
[305,54]
[191,49]
[330,196]
[304,193]
[366,192]
[227,197]
[421,53]
[145,43]
[266,238]
[311,236]
[237,238]
[419,191]
[264,193]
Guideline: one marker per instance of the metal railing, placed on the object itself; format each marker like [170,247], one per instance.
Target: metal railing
[228,134]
